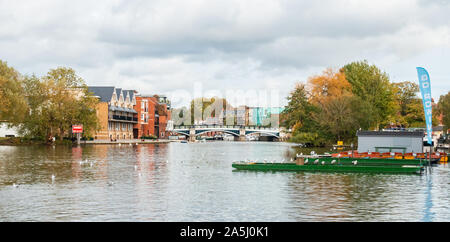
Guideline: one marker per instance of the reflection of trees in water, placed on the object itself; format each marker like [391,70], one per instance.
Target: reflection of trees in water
[35,164]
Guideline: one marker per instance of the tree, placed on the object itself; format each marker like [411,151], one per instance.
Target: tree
[337,116]
[444,108]
[404,94]
[57,101]
[203,108]
[373,87]
[328,85]
[297,114]
[12,101]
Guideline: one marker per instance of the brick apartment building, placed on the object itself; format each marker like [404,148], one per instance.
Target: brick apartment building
[153,115]
[124,114]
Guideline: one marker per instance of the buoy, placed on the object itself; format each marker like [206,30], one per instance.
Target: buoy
[323,162]
[316,161]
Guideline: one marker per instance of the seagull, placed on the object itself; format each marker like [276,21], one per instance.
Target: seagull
[15,185]
[110,183]
[355,162]
[333,161]
[292,160]
[53,178]
[316,161]
[323,162]
[306,161]
[297,155]
[130,144]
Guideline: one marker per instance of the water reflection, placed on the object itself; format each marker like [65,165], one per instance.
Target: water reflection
[195,182]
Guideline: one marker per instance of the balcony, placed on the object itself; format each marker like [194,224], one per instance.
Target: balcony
[123,118]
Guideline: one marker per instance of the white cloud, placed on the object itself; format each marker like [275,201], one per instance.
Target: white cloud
[164,45]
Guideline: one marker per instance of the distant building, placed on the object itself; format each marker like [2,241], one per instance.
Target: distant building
[390,141]
[264,116]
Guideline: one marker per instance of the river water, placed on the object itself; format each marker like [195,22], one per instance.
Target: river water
[195,182]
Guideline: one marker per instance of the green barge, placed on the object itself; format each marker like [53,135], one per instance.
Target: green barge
[330,164]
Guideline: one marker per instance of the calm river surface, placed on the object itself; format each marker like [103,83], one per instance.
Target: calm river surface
[195,182]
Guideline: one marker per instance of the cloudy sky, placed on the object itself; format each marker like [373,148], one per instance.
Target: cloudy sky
[162,46]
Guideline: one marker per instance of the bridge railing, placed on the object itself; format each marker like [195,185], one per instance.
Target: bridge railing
[225,127]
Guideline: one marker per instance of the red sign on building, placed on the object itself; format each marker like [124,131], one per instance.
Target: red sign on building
[77,129]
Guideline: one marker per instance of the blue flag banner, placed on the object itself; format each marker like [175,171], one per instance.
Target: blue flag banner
[425,90]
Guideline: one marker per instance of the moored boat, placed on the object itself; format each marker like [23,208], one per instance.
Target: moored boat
[328,167]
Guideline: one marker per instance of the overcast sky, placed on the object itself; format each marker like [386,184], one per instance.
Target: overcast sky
[159,46]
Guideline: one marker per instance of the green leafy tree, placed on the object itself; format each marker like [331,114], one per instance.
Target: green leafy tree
[444,109]
[297,114]
[373,87]
[13,105]
[405,93]
[57,101]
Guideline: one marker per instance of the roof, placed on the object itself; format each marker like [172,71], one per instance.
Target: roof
[129,92]
[105,93]
[391,133]
[439,128]
[118,91]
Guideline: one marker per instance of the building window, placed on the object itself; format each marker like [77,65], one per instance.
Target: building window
[142,117]
[142,105]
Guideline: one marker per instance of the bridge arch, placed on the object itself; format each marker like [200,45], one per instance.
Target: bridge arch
[262,132]
[218,130]
[183,132]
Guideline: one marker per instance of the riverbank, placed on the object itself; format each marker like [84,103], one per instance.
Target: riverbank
[132,141]
[16,141]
